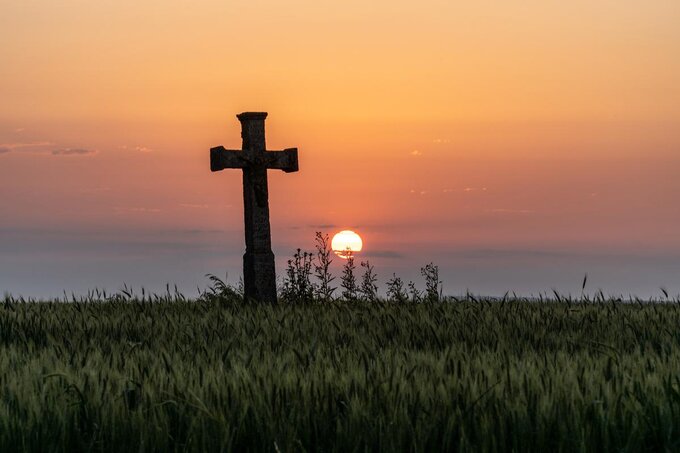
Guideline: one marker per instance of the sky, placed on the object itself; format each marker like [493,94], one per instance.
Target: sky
[518,145]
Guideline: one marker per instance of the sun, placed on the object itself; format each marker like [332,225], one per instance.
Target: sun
[346,243]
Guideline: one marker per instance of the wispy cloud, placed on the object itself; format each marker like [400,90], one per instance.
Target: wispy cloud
[43,148]
[73,152]
[139,148]
[324,226]
[441,140]
[416,152]
[195,231]
[466,190]
[383,254]
[194,206]
[474,189]
[512,253]
[30,147]
[26,145]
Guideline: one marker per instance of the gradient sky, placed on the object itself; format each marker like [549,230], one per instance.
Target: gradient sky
[518,145]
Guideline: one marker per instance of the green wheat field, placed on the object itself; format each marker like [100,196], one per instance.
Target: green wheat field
[130,372]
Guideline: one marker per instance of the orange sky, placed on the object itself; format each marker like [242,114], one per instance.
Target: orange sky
[517,144]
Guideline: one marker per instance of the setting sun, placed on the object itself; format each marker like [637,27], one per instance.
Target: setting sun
[346,243]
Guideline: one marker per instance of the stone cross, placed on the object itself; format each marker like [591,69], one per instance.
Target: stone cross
[259,273]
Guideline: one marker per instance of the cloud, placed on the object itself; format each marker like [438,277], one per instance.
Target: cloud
[30,147]
[416,152]
[141,149]
[474,189]
[196,231]
[383,254]
[441,140]
[39,148]
[194,206]
[73,152]
[323,226]
[513,253]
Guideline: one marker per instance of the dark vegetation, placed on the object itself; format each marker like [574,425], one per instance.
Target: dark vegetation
[414,372]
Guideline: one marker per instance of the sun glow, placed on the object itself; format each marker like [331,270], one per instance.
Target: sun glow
[346,243]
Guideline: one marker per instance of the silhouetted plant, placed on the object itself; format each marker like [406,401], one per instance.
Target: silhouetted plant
[349,281]
[433,286]
[297,285]
[395,289]
[369,288]
[220,290]
[416,295]
[323,290]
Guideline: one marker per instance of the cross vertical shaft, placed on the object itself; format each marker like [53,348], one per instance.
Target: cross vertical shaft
[259,270]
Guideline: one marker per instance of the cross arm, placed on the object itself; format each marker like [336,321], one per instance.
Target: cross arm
[221,158]
[286,160]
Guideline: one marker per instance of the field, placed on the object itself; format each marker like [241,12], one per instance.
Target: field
[133,373]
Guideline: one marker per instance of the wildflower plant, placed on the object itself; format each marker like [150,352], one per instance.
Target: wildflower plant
[369,287]
[349,280]
[433,286]
[395,290]
[297,285]
[323,290]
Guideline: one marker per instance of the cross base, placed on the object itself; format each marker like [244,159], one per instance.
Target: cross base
[258,277]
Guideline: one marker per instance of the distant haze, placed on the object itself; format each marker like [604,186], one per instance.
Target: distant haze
[518,145]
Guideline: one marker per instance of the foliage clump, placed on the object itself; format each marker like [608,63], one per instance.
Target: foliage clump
[297,285]
[308,278]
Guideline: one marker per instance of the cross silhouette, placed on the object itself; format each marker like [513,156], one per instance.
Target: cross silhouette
[259,272]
